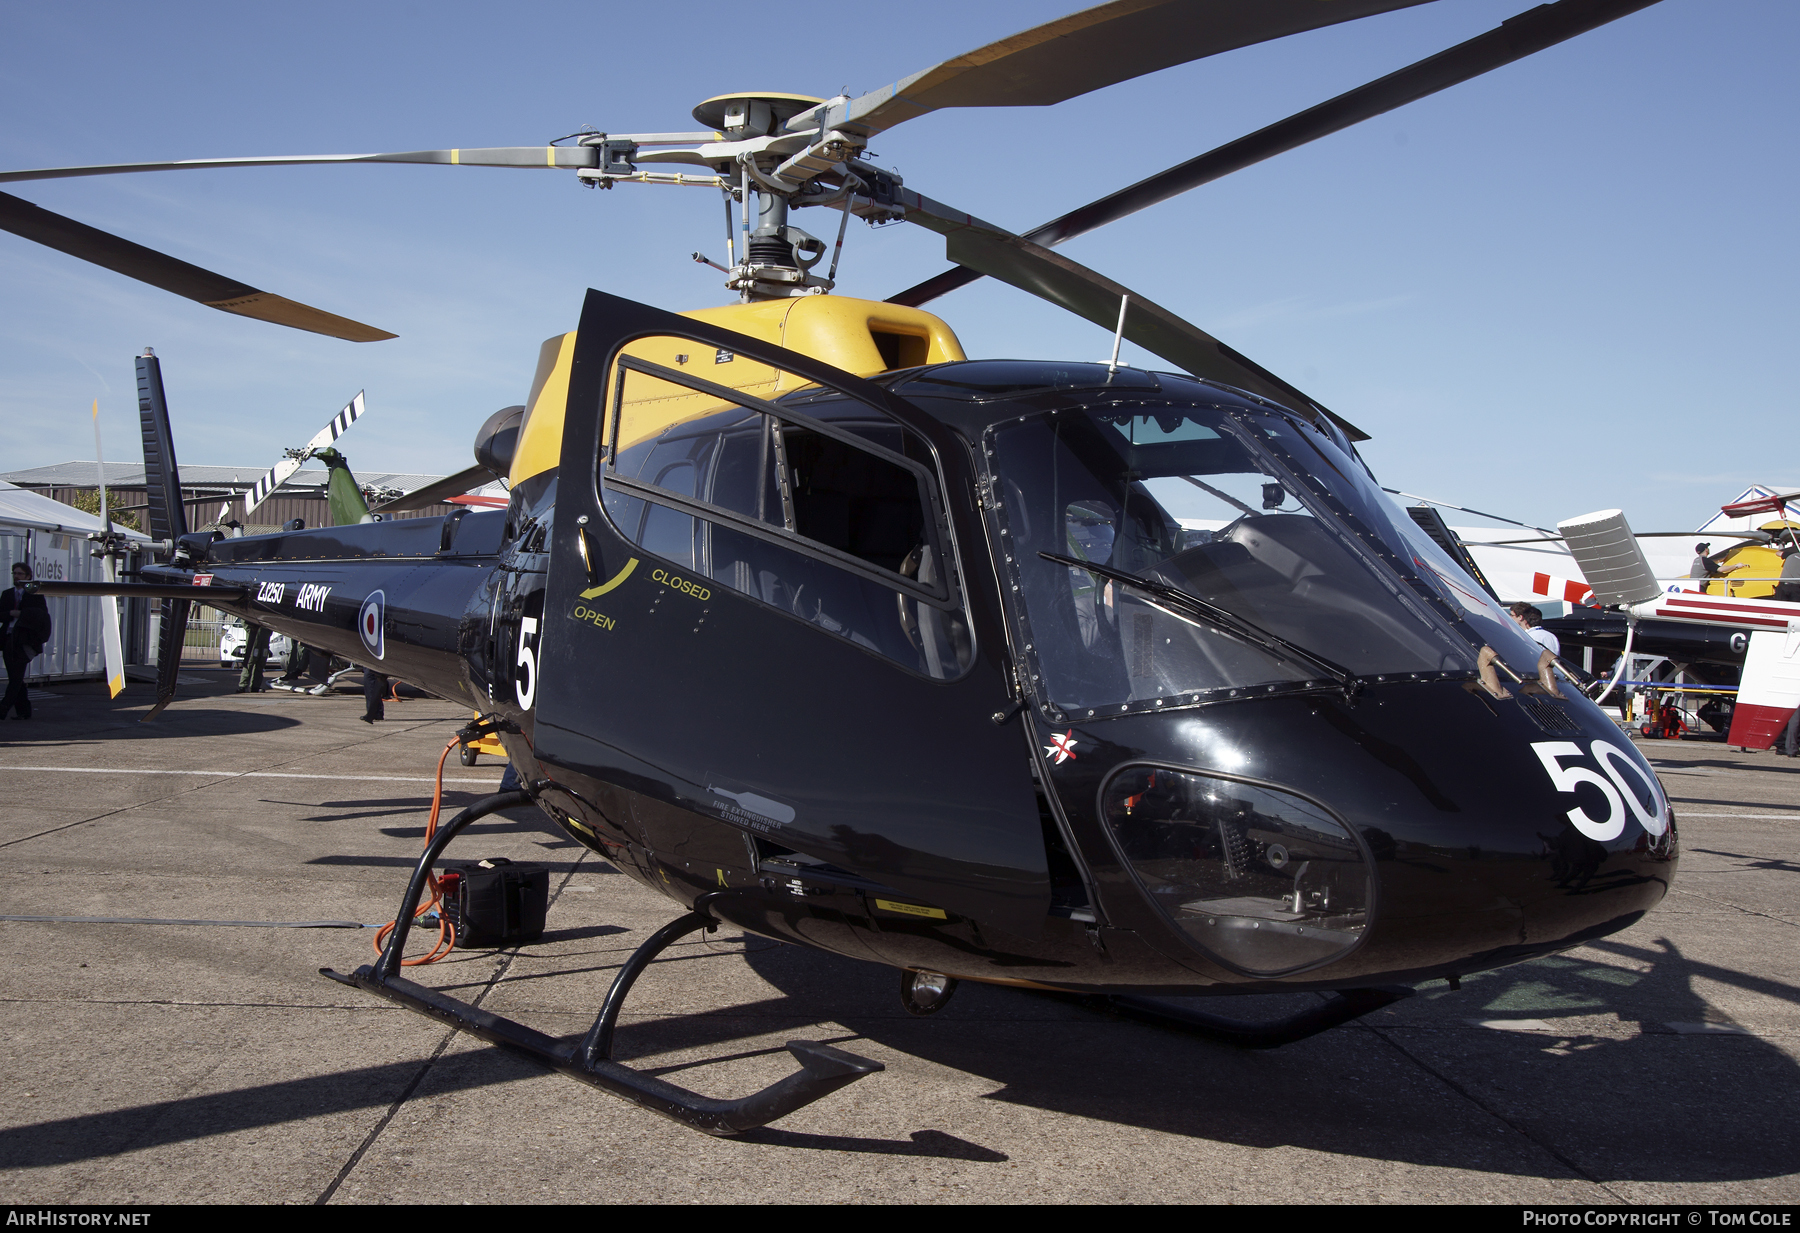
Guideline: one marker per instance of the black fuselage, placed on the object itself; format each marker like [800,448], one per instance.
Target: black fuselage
[709,744]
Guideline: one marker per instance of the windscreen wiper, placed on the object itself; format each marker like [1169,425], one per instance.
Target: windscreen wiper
[1192,606]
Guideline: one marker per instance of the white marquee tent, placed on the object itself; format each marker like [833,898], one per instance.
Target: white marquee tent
[52,537]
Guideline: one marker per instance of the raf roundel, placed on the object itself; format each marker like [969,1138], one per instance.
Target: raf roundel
[371,620]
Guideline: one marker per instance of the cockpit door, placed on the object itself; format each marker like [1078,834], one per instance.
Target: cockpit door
[769,625]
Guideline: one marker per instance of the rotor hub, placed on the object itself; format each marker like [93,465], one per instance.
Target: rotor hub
[752,113]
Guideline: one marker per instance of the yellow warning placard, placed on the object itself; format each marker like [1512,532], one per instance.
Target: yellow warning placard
[911,909]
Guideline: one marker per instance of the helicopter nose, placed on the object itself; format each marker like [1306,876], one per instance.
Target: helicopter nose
[1546,870]
[1420,833]
[1564,835]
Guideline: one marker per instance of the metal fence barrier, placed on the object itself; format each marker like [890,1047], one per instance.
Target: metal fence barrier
[202,642]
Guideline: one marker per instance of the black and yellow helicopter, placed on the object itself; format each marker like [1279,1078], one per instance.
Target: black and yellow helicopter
[1075,677]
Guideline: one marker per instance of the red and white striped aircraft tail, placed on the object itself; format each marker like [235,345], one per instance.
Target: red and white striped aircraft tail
[1769,691]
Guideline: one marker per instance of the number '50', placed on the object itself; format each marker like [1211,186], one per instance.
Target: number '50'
[1612,785]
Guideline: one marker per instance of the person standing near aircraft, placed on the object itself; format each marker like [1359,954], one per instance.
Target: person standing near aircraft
[299,659]
[1533,621]
[1789,587]
[256,656]
[1703,566]
[25,627]
[375,688]
[1706,566]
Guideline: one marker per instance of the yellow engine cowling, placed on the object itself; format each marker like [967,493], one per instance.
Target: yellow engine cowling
[864,337]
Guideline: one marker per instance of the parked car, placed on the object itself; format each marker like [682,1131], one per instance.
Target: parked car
[234,635]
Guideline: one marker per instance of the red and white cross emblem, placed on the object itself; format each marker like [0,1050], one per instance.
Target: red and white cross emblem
[1061,747]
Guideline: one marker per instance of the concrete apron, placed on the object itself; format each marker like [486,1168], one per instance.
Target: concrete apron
[167,1063]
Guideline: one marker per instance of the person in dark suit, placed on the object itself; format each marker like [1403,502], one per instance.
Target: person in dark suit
[375,689]
[24,629]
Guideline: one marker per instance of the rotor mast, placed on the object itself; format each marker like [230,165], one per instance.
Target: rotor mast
[782,170]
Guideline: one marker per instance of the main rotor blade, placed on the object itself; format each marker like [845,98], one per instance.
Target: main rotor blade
[494,156]
[1068,284]
[1085,51]
[442,490]
[1514,39]
[168,273]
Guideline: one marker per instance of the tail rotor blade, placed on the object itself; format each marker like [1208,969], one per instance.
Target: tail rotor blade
[168,653]
[100,481]
[280,473]
[111,649]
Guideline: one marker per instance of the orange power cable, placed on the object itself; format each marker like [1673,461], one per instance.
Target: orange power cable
[446,939]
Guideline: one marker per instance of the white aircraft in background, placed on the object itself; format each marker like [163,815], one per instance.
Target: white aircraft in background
[1541,570]
[1613,563]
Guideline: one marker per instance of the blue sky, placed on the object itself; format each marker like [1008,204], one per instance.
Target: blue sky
[1565,286]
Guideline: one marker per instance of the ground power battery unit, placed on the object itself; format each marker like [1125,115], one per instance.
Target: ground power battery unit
[495,902]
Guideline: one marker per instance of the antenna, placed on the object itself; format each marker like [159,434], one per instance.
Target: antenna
[1118,336]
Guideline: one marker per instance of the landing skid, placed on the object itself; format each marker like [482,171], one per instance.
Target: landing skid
[316,691]
[1348,1004]
[823,1069]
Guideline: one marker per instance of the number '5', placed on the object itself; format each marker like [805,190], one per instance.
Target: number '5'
[1618,793]
[526,686]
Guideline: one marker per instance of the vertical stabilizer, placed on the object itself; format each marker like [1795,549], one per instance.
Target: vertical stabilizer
[168,516]
[162,481]
[168,653]
[1769,689]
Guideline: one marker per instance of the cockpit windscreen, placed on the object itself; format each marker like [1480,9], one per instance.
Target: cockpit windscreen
[1295,565]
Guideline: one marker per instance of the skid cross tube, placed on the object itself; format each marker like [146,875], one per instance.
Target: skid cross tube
[389,963]
[823,1069]
[597,1046]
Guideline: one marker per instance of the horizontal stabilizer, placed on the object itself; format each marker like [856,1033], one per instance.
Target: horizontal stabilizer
[140,590]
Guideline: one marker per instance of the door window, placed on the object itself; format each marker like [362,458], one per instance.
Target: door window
[828,514]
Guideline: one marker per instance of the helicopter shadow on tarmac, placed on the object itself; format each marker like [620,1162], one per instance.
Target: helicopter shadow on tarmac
[1417,1083]
[1420,1083]
[46,725]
